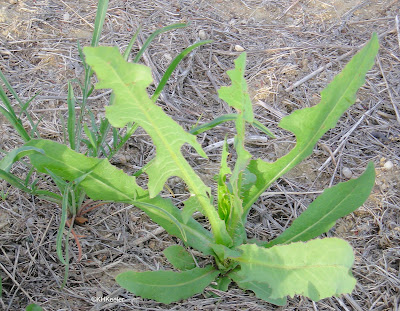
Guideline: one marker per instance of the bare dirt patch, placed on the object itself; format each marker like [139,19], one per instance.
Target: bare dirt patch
[286,41]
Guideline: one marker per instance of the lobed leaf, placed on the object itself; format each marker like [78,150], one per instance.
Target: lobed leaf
[331,205]
[317,269]
[167,286]
[132,104]
[105,182]
[309,124]
[237,97]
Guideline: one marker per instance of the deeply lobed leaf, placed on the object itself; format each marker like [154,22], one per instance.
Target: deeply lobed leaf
[237,96]
[104,181]
[132,104]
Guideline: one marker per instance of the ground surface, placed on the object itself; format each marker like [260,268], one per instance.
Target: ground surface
[286,41]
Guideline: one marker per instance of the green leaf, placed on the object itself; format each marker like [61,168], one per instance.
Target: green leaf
[222,252]
[262,290]
[155,34]
[71,116]
[33,307]
[237,96]
[105,182]
[16,154]
[179,257]
[99,21]
[223,283]
[317,269]
[225,198]
[195,235]
[172,67]
[14,181]
[167,286]
[309,124]
[132,104]
[225,118]
[331,205]
[108,183]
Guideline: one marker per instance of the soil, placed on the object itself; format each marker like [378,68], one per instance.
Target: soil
[285,41]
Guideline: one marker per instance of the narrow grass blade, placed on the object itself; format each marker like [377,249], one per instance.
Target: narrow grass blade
[131,129]
[16,154]
[172,67]
[99,21]
[11,89]
[167,286]
[71,116]
[48,195]
[225,118]
[63,220]
[130,45]
[22,105]
[14,181]
[155,34]
[11,116]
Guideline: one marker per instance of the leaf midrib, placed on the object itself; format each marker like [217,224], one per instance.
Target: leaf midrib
[192,280]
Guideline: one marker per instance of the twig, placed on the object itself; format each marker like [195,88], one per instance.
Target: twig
[322,68]
[346,136]
[288,9]
[147,237]
[398,30]
[64,97]
[15,281]
[388,90]
[353,303]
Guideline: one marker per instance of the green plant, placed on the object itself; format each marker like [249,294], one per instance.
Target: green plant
[70,195]
[294,262]
[33,307]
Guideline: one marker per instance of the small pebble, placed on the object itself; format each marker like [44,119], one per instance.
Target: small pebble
[66,17]
[202,34]
[30,221]
[239,48]
[347,172]
[168,57]
[388,165]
